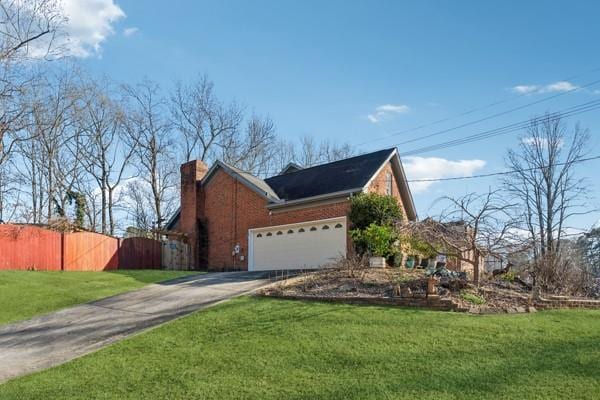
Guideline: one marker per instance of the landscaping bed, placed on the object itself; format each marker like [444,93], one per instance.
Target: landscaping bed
[408,287]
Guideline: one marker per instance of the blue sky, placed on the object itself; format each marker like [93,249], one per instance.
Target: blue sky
[362,70]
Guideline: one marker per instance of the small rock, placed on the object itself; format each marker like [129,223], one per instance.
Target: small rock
[521,309]
[511,310]
[346,288]
[475,310]
[531,309]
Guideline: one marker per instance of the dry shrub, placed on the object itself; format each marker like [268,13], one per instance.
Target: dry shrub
[308,281]
[63,225]
[559,274]
[355,266]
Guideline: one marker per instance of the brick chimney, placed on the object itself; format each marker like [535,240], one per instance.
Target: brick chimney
[192,206]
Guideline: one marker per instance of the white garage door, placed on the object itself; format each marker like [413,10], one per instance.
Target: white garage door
[297,246]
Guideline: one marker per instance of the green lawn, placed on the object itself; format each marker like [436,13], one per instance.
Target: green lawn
[24,294]
[251,348]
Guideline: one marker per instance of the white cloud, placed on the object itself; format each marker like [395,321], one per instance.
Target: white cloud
[386,110]
[525,89]
[560,86]
[130,31]
[531,141]
[436,168]
[542,142]
[90,23]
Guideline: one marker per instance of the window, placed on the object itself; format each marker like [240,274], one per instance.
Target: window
[388,184]
[279,233]
[325,227]
[313,229]
[259,235]
[269,234]
[337,226]
[301,230]
[290,231]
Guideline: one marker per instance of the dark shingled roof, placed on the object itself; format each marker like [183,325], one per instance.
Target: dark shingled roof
[337,176]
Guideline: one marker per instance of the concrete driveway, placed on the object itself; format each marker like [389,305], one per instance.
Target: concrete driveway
[55,338]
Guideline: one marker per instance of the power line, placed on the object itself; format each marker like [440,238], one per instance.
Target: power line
[456,178]
[493,104]
[521,107]
[514,127]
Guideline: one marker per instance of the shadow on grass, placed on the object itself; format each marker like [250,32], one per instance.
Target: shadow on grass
[157,276]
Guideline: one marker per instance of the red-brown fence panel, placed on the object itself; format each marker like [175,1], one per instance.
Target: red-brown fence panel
[29,247]
[87,251]
[26,247]
[139,253]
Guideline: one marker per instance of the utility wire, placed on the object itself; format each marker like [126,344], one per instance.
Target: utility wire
[456,178]
[515,127]
[493,104]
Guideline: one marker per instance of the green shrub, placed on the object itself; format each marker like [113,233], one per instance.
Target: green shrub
[374,208]
[472,298]
[377,240]
[508,276]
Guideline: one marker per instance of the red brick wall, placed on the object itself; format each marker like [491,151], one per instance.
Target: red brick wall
[379,185]
[191,204]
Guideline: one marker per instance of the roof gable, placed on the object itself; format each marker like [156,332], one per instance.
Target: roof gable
[253,182]
[291,167]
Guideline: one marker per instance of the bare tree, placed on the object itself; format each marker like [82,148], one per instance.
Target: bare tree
[8,190]
[308,153]
[27,30]
[312,152]
[329,151]
[139,199]
[149,128]
[201,119]
[107,149]
[544,181]
[251,150]
[284,152]
[30,171]
[57,141]
[470,228]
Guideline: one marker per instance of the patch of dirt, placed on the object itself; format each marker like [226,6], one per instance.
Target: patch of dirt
[497,295]
[334,282]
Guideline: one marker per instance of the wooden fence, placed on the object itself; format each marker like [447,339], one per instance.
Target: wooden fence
[27,247]
[24,247]
[175,255]
[140,253]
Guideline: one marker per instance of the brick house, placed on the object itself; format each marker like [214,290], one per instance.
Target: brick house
[294,220]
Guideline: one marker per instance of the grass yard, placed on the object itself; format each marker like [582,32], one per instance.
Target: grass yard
[274,349]
[24,294]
